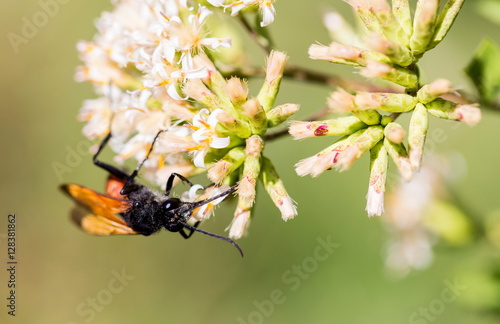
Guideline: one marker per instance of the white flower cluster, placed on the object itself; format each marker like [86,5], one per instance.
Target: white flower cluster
[157,70]
[143,53]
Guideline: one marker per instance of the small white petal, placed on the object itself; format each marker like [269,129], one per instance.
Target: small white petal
[212,119]
[216,3]
[172,92]
[236,9]
[198,119]
[192,195]
[199,158]
[203,13]
[268,13]
[219,142]
[214,42]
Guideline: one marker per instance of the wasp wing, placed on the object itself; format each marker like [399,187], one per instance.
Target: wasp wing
[98,225]
[113,187]
[102,220]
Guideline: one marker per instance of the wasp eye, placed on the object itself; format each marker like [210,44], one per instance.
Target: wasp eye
[171,203]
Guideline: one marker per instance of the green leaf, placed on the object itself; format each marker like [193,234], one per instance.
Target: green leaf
[484,70]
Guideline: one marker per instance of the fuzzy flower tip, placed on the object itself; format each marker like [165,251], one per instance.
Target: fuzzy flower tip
[374,202]
[239,225]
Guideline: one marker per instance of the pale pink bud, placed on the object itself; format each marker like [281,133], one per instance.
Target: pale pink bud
[471,115]
[340,101]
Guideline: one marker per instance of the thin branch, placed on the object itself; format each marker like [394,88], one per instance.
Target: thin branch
[303,74]
[298,73]
[253,33]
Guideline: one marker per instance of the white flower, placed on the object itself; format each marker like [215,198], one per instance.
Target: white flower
[265,6]
[205,136]
[190,37]
[100,113]
[207,210]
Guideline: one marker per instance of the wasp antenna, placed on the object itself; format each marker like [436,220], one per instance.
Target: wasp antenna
[227,239]
[206,201]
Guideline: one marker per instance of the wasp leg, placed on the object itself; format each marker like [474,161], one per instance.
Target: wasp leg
[108,167]
[129,187]
[170,182]
[191,231]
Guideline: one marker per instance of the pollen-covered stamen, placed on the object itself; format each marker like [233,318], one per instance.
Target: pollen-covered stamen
[195,148]
[165,16]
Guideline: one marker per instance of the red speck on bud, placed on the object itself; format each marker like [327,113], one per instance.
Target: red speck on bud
[321,130]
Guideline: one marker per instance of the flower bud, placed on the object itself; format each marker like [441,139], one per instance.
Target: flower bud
[359,144]
[277,115]
[365,11]
[369,117]
[423,25]
[433,90]
[215,82]
[400,157]
[326,53]
[237,126]
[276,190]
[237,90]
[419,123]
[468,114]
[338,126]
[398,75]
[446,17]
[401,11]
[274,73]
[390,102]
[240,223]
[394,132]
[378,175]
[197,90]
[324,160]
[256,116]
[225,166]
[251,170]
[340,101]
[397,53]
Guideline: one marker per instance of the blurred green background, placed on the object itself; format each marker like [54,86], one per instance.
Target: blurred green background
[66,276]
